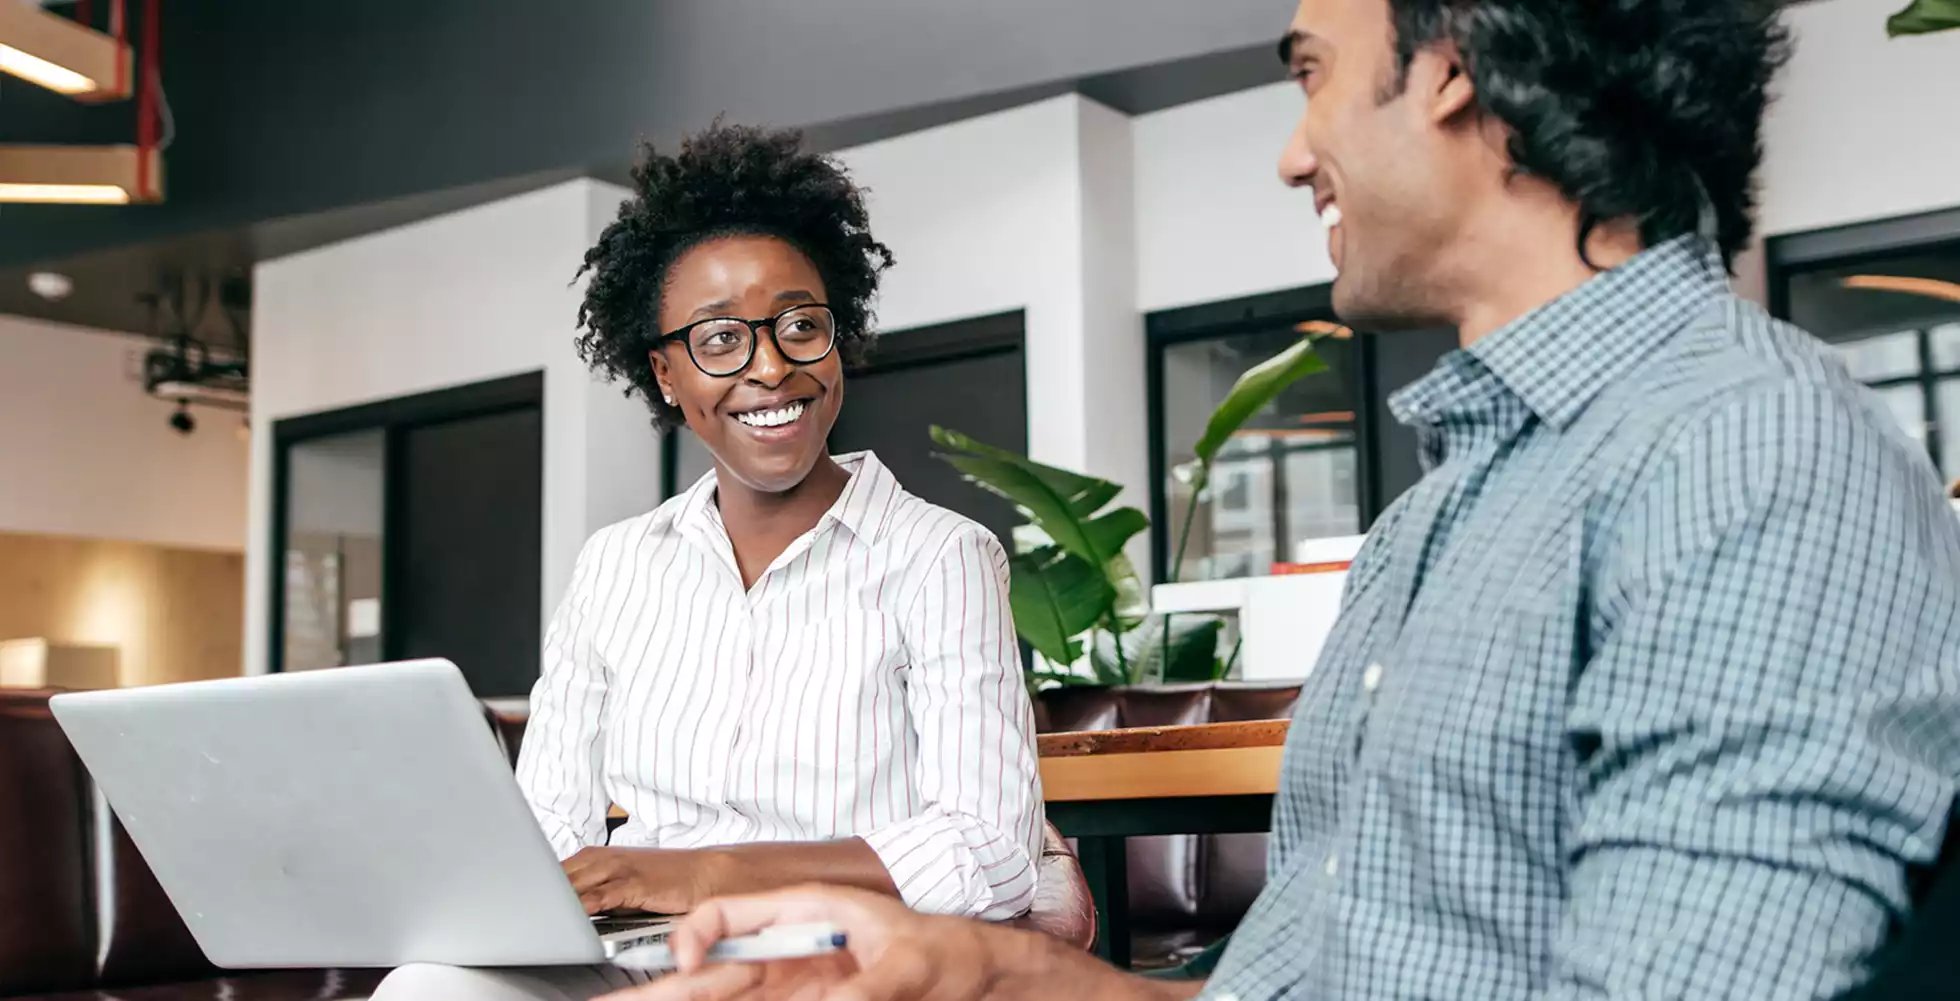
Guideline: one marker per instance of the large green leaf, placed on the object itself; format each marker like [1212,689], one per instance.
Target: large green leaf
[1256,388]
[1056,596]
[1095,539]
[1188,653]
[1924,16]
[1081,494]
[1106,534]
[1056,500]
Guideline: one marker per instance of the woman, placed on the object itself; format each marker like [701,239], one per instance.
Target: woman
[794,671]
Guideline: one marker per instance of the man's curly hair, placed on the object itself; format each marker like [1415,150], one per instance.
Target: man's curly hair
[1643,109]
[726,181]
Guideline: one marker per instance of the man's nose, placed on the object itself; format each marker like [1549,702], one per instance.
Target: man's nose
[1297,164]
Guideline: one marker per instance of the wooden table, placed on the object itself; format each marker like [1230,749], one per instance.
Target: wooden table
[1106,786]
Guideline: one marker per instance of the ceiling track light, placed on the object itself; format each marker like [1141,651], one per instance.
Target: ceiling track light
[84,175]
[66,57]
[87,175]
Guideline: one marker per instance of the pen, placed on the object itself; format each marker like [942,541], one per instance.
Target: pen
[781,942]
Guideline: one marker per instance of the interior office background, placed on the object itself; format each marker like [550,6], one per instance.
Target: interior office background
[1132,264]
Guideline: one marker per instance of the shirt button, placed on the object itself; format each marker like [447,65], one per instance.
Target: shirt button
[1371,678]
[1333,863]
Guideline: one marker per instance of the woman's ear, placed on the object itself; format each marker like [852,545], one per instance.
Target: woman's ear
[662,375]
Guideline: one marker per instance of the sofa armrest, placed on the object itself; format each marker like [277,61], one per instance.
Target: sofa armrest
[1062,905]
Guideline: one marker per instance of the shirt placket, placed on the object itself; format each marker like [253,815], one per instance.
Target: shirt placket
[745,741]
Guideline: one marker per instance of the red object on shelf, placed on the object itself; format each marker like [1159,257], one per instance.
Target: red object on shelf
[1337,566]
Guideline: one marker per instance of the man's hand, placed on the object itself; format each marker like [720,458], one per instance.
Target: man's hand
[893,954]
[664,881]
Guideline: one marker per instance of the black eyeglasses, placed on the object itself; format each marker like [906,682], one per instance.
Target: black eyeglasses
[724,345]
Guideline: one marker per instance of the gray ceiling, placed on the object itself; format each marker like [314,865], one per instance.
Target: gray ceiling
[303,123]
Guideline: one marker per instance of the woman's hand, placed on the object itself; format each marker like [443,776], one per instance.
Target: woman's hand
[660,880]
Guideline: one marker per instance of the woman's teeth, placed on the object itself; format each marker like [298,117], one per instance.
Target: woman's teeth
[772,418]
[1330,216]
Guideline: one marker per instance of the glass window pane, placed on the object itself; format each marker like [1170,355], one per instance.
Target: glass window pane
[334,498]
[1908,407]
[1946,348]
[1887,356]
[1323,491]
[1946,396]
[1291,473]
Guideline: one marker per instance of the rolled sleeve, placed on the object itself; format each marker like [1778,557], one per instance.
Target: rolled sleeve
[971,849]
[1768,736]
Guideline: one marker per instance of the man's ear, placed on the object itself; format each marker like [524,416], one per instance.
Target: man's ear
[1439,79]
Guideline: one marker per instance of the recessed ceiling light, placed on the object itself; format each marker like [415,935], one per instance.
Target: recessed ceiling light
[50,285]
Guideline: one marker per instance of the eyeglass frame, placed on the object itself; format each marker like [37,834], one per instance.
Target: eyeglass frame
[755,337]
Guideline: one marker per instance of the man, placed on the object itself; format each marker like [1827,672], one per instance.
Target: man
[1649,689]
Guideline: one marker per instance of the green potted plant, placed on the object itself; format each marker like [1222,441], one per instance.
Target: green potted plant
[1076,598]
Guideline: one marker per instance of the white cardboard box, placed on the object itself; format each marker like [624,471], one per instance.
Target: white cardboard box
[37,663]
[1284,619]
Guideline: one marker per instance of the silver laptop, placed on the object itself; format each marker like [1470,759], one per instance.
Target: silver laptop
[362,816]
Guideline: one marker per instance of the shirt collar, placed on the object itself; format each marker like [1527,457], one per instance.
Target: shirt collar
[864,507]
[1558,357]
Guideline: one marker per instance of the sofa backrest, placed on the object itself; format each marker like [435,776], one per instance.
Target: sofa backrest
[48,919]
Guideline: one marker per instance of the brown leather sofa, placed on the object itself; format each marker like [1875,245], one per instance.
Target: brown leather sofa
[1185,892]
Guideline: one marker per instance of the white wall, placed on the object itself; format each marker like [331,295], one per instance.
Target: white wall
[1213,220]
[1029,209]
[1866,126]
[84,452]
[461,298]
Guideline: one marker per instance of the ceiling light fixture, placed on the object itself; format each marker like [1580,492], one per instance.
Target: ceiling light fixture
[61,55]
[86,175]
[89,175]
[1931,288]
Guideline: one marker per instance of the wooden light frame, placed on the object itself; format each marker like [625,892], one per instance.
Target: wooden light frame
[54,52]
[87,175]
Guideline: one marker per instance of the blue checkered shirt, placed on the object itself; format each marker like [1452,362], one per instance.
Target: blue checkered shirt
[1649,689]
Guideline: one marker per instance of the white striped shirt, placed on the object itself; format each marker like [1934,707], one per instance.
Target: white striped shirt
[869,685]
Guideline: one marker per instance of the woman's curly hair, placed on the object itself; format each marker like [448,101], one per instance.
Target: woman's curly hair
[1643,109]
[726,181]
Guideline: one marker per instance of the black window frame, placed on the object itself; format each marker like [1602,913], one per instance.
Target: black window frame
[1250,315]
[1873,242]
[392,417]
